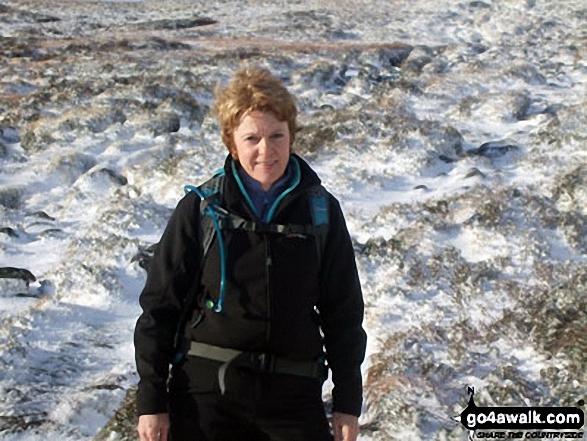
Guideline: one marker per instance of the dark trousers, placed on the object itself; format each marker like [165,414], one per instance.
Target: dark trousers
[255,406]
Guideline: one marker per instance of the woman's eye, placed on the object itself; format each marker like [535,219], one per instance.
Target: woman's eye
[277,135]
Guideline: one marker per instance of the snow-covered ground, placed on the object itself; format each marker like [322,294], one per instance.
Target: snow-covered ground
[453,133]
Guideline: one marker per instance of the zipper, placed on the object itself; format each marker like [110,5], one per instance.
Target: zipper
[268,264]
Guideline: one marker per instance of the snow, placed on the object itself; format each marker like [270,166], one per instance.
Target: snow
[66,349]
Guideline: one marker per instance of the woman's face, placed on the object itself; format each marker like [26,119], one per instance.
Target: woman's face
[262,147]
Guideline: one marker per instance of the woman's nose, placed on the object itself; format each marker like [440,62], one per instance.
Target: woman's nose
[263,146]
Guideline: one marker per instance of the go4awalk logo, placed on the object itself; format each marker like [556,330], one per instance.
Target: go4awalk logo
[522,422]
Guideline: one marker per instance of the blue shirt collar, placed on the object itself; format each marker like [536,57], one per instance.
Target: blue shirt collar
[261,199]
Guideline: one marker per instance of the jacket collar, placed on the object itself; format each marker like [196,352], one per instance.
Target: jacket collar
[235,201]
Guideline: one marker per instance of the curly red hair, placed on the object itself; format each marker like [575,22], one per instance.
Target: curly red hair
[253,89]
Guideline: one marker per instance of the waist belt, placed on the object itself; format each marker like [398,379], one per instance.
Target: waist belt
[258,362]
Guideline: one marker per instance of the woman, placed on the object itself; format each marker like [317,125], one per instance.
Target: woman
[259,282]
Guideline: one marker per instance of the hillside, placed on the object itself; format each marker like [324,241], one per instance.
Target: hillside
[453,133]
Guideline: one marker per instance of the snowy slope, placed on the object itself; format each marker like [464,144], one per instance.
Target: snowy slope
[452,132]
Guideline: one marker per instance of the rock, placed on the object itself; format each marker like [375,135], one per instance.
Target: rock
[552,109]
[169,24]
[29,142]
[41,215]
[11,197]
[494,149]
[43,18]
[446,159]
[320,74]
[3,150]
[160,44]
[528,73]
[479,4]
[369,72]
[100,122]
[419,57]
[386,56]
[474,172]
[164,123]
[520,106]
[9,232]
[17,273]
[9,135]
[144,257]
[115,177]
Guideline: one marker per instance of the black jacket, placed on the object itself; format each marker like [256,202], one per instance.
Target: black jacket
[277,297]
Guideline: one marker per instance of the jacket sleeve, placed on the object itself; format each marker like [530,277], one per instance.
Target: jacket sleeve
[341,309]
[172,272]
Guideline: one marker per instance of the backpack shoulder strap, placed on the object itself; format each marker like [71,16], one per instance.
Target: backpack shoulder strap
[209,193]
[319,205]
[318,198]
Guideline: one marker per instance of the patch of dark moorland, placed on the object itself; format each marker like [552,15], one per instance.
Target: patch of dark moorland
[308,19]
[14,15]
[11,197]
[419,57]
[311,24]
[386,56]
[321,74]
[169,99]
[40,133]
[57,92]
[124,421]
[72,165]
[434,361]
[570,196]
[127,45]
[527,219]
[173,24]
[375,65]
[321,129]
[405,375]
[425,62]
[572,186]
[566,125]
[13,424]
[28,48]
[551,314]
[96,120]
